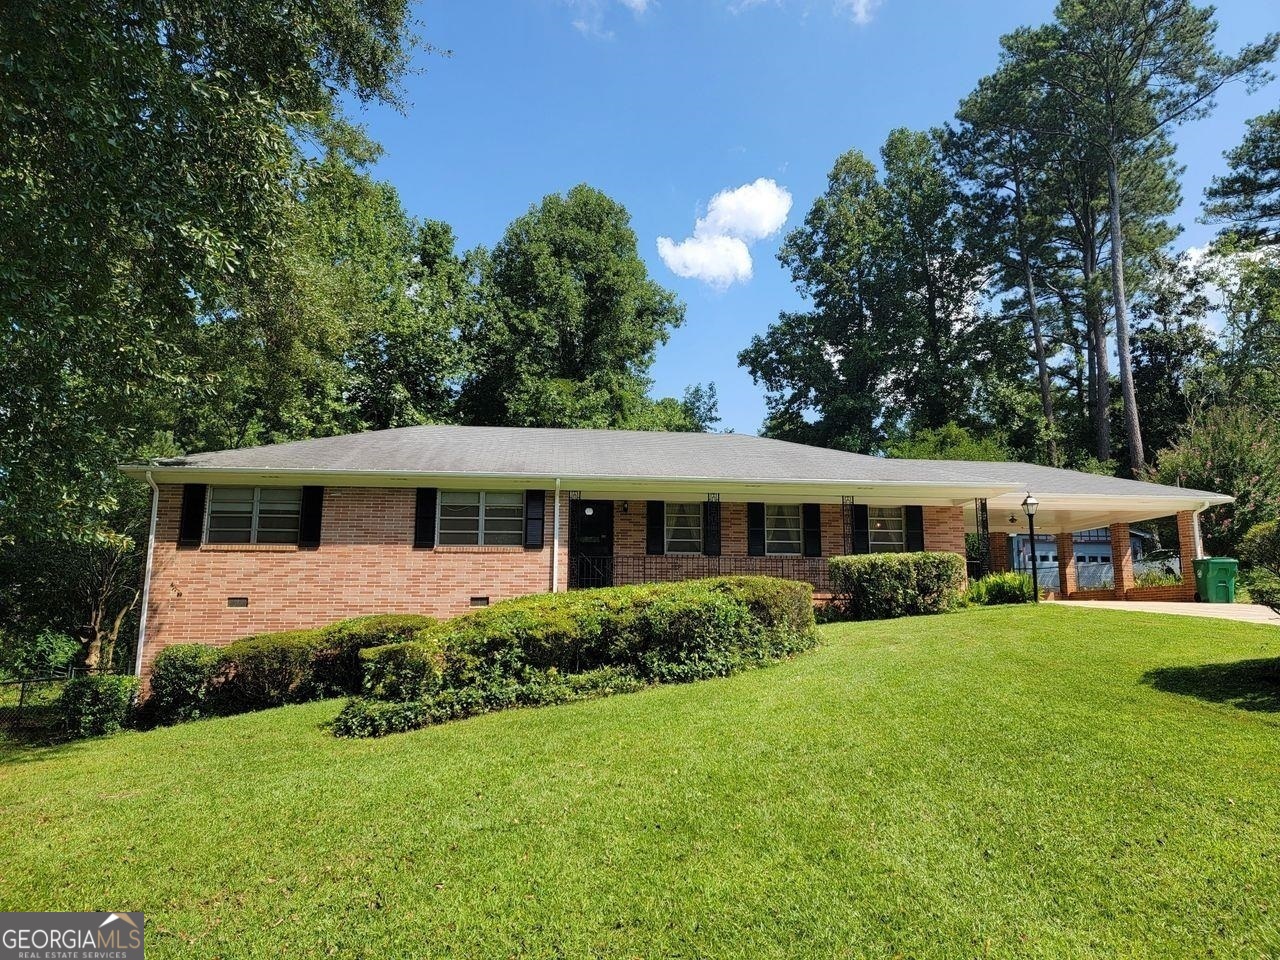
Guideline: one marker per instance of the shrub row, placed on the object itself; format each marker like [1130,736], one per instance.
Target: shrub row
[998,588]
[556,647]
[879,586]
[269,669]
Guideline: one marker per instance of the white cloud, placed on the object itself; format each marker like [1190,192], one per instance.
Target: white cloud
[717,253]
[750,212]
[591,15]
[860,11]
[716,260]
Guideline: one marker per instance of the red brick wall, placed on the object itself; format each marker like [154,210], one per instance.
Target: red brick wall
[1000,559]
[944,529]
[365,564]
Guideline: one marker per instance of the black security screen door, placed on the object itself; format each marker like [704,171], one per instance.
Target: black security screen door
[590,543]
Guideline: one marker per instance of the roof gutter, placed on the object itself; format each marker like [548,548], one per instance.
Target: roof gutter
[146,579]
[195,471]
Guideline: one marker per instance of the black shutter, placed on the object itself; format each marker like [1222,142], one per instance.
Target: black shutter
[191,519]
[861,529]
[655,522]
[711,528]
[535,512]
[811,519]
[914,517]
[312,513]
[424,519]
[755,529]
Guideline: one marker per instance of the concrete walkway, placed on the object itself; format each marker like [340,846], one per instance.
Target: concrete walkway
[1246,612]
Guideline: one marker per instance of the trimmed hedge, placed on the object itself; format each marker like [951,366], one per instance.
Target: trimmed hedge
[182,679]
[269,669]
[880,586]
[97,704]
[1000,588]
[555,647]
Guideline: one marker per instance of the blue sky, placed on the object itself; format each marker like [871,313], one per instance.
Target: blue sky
[662,104]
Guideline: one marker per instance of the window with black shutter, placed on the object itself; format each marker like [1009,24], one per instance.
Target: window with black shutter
[535,511]
[424,519]
[913,518]
[755,530]
[655,528]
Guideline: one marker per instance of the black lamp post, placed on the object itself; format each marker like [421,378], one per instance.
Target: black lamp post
[1029,507]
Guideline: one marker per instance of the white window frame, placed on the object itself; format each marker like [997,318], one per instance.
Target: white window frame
[253,517]
[480,531]
[799,551]
[871,544]
[666,529]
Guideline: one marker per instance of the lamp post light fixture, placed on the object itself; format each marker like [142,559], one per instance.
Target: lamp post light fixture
[1029,507]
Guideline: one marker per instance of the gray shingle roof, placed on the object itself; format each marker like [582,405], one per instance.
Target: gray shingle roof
[1052,480]
[544,452]
[642,455]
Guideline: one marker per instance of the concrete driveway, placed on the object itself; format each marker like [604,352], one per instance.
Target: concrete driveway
[1246,612]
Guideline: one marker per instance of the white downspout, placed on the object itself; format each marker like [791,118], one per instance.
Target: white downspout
[555,541]
[1195,525]
[146,579]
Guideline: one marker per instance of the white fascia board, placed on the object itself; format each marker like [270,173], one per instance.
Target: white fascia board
[619,488]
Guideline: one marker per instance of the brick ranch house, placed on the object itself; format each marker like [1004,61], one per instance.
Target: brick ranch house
[439,519]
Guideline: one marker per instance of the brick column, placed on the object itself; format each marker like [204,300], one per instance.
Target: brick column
[1188,550]
[1000,552]
[1121,559]
[1067,582]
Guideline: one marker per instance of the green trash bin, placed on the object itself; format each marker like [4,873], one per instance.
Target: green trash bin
[1215,579]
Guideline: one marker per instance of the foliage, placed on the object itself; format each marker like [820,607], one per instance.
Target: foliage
[948,442]
[365,717]
[1262,586]
[86,587]
[351,326]
[1261,553]
[1156,578]
[149,153]
[337,668]
[193,680]
[1001,588]
[1175,355]
[571,319]
[1248,198]
[1261,546]
[1233,449]
[1121,72]
[879,586]
[36,655]
[558,647]
[97,704]
[885,262]
[181,683]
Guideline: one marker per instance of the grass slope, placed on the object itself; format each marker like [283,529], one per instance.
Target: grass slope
[1008,782]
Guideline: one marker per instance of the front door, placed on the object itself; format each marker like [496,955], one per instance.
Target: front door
[590,543]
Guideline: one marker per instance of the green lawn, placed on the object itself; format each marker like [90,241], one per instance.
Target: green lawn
[1010,782]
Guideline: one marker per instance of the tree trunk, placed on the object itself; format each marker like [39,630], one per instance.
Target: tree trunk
[1132,426]
[1042,363]
[1099,369]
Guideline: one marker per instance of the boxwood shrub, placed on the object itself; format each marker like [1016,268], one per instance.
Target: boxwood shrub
[97,704]
[269,669]
[879,586]
[556,647]
[182,679]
